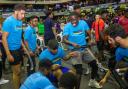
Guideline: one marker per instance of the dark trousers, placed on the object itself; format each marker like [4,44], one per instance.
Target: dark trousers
[126,76]
[100,46]
[30,69]
[46,41]
[4,56]
[94,69]
[0,69]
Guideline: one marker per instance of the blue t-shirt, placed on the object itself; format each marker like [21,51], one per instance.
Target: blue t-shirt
[48,33]
[37,81]
[46,54]
[121,53]
[76,34]
[14,28]
[30,37]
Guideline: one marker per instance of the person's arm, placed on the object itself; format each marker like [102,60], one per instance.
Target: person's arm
[123,41]
[71,54]
[101,25]
[66,33]
[104,79]
[67,57]
[42,56]
[29,51]
[27,34]
[53,28]
[89,34]
[66,41]
[5,44]
[93,28]
[54,31]
[122,69]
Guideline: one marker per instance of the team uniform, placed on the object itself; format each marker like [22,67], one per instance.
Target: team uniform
[37,81]
[14,28]
[30,37]
[122,55]
[77,35]
[55,58]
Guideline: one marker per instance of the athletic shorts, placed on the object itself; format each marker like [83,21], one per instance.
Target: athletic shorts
[17,55]
[84,56]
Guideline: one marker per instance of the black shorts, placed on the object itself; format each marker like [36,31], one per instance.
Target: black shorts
[17,55]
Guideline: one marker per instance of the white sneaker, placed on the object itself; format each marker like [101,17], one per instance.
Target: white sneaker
[87,71]
[3,81]
[94,83]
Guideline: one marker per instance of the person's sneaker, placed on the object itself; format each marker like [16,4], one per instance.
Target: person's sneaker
[3,81]
[94,83]
[87,71]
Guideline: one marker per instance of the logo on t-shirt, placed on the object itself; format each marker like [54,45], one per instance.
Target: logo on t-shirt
[78,32]
[18,28]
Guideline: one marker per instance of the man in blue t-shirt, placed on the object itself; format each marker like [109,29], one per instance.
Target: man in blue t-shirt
[39,80]
[12,40]
[55,53]
[74,35]
[30,42]
[121,54]
[116,36]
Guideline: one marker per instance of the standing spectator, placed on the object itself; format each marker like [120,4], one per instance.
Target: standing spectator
[98,27]
[12,41]
[2,80]
[49,29]
[30,42]
[3,57]
[123,21]
[41,27]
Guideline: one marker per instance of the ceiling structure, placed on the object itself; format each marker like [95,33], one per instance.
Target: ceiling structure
[33,1]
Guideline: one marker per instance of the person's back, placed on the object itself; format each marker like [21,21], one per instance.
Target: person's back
[53,57]
[37,81]
[54,53]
